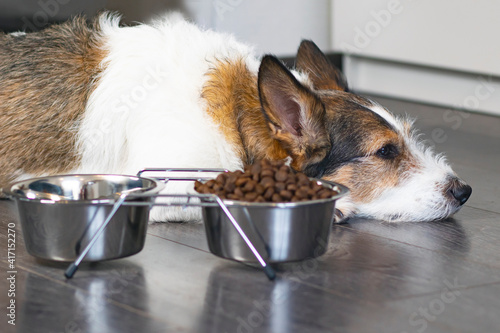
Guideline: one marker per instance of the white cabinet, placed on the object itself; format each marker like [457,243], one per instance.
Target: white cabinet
[445,52]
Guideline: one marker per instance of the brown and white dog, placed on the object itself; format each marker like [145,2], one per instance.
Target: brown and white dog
[99,98]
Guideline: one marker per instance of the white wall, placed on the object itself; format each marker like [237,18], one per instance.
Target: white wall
[272,26]
[444,52]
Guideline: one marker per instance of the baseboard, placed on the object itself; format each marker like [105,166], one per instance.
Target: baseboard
[455,90]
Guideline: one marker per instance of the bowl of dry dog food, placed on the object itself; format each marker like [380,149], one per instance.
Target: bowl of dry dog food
[286,215]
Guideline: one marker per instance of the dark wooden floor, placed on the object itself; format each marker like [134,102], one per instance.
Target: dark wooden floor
[375,276]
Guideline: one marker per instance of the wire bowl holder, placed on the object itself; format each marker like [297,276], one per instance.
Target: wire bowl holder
[79,216]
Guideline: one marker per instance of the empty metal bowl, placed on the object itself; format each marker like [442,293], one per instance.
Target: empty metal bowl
[281,232]
[60,214]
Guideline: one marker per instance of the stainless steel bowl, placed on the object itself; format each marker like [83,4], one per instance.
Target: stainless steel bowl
[60,214]
[280,232]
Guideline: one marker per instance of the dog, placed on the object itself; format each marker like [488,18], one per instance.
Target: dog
[96,97]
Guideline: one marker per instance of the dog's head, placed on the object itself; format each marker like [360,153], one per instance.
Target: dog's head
[336,135]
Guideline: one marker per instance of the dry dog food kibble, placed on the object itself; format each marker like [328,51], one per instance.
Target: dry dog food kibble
[265,181]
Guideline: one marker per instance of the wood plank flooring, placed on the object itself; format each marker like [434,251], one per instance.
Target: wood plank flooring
[375,276]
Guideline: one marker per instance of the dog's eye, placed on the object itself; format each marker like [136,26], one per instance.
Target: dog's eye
[388,151]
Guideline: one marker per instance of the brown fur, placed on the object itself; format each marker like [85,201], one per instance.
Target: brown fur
[295,114]
[230,92]
[357,134]
[46,79]
[258,130]
[369,180]
[325,76]
[367,175]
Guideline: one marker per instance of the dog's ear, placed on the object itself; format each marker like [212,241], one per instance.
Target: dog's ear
[296,116]
[323,74]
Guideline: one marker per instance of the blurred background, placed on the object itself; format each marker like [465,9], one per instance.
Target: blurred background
[437,52]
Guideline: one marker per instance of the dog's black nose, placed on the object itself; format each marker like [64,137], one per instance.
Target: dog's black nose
[460,191]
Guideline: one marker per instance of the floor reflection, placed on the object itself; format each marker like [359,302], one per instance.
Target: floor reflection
[448,236]
[277,306]
[88,303]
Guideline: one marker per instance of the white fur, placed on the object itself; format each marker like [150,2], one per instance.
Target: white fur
[18,33]
[389,117]
[152,84]
[146,110]
[421,195]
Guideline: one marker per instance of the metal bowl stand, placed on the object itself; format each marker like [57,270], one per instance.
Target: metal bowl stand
[205,200]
